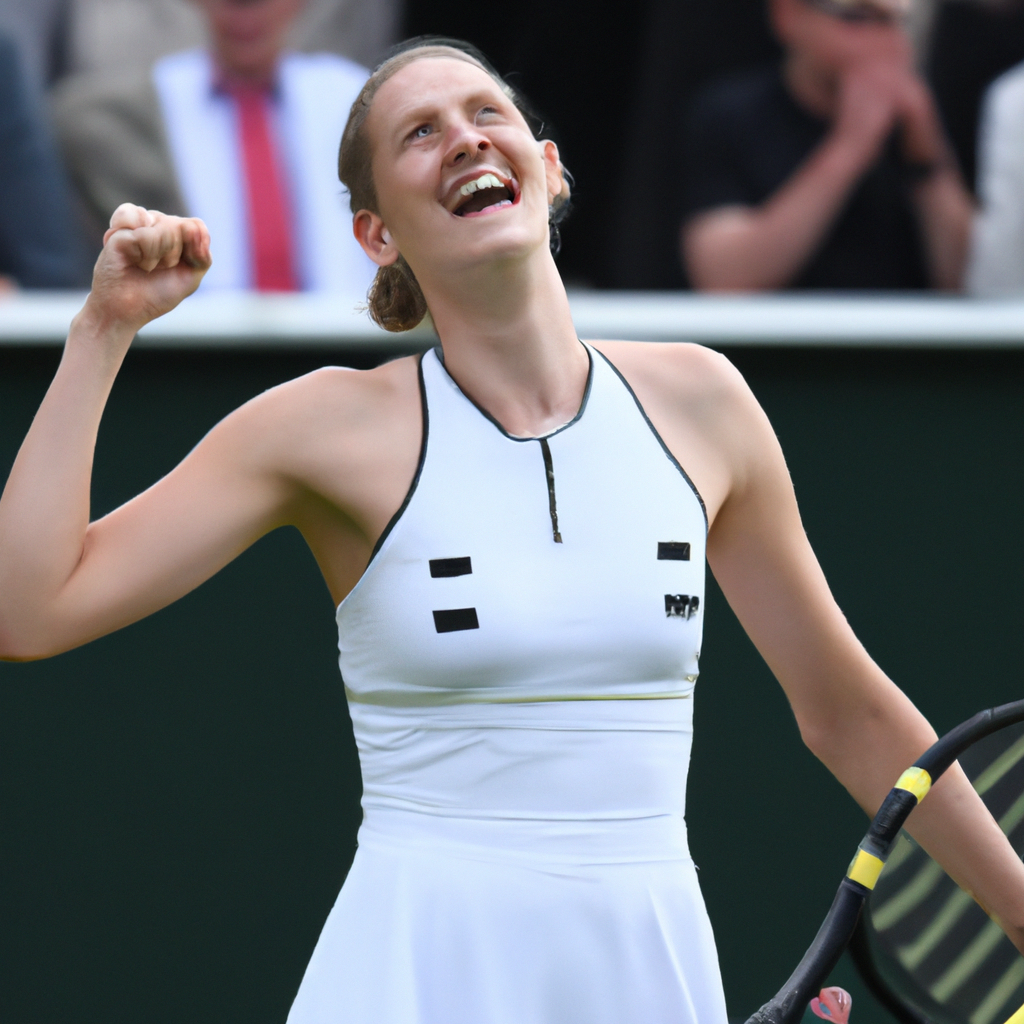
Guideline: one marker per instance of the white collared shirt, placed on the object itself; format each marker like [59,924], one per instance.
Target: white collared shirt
[313,98]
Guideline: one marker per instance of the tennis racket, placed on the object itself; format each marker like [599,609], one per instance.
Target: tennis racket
[954,955]
[923,946]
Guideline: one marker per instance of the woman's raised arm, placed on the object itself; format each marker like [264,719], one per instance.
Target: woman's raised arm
[64,581]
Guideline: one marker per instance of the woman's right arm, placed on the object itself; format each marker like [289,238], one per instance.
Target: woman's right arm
[64,580]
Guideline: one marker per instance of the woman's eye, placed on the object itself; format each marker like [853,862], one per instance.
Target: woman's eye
[422,132]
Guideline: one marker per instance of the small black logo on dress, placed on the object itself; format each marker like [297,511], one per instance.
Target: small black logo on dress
[681,605]
[441,567]
[673,551]
[453,620]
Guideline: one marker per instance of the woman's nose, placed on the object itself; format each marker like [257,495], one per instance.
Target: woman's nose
[466,142]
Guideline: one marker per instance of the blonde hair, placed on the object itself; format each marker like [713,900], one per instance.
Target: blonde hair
[395,300]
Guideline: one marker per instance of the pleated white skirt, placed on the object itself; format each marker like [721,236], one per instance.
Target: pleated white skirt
[584,910]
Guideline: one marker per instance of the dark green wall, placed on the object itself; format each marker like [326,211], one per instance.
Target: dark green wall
[178,802]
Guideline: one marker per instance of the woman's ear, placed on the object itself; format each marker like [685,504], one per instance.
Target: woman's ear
[558,183]
[375,238]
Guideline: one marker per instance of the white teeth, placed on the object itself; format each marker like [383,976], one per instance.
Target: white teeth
[484,181]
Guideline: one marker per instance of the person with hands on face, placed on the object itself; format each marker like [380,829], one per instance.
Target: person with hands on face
[517,558]
[831,171]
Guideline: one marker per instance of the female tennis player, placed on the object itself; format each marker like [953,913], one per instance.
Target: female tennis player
[514,529]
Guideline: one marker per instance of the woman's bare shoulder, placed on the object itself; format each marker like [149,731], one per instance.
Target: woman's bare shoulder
[336,398]
[328,422]
[360,393]
[678,371]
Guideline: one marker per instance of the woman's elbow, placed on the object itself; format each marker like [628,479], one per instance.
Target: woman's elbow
[844,732]
[17,653]
[21,658]
[828,728]
[20,644]
[817,737]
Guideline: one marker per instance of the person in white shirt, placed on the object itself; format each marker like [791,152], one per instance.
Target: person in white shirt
[243,135]
[996,262]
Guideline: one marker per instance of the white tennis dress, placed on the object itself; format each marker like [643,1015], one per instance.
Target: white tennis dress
[522,706]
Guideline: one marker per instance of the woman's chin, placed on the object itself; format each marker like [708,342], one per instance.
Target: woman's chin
[499,243]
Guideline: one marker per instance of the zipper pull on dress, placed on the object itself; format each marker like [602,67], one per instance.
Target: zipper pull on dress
[549,470]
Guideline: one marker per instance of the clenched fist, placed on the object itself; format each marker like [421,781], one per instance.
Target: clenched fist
[149,263]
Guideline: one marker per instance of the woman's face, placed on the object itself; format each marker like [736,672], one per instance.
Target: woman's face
[460,179]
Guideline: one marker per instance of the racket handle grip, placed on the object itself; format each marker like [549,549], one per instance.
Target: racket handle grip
[822,955]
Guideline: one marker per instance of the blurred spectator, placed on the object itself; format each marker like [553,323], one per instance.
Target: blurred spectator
[41,31]
[971,43]
[829,171]
[38,241]
[996,265]
[685,44]
[243,135]
[108,36]
[61,37]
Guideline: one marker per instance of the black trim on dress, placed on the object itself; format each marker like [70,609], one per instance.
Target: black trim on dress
[549,472]
[514,437]
[393,521]
[661,440]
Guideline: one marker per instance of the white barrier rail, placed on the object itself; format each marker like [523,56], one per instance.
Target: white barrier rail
[282,321]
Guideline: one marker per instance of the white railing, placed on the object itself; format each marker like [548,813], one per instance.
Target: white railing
[248,320]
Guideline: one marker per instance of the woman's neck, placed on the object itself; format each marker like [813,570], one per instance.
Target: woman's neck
[510,344]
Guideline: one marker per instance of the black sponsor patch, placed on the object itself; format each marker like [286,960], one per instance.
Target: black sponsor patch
[680,605]
[455,566]
[673,551]
[451,620]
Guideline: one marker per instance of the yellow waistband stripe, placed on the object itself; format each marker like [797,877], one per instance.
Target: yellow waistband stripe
[448,698]
[916,781]
[865,868]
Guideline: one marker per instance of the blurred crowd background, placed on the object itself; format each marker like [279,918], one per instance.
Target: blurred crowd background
[718,145]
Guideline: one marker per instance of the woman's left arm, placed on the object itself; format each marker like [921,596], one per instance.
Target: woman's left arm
[851,716]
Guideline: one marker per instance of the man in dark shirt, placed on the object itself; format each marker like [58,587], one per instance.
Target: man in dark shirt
[829,171]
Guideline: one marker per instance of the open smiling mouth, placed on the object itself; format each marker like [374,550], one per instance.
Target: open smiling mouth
[484,195]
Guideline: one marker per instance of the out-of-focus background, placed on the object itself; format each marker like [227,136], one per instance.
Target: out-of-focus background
[668,113]
[834,196]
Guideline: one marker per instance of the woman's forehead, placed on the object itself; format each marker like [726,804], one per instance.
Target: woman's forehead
[427,82]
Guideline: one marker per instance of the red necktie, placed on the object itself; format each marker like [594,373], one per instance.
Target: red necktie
[269,220]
